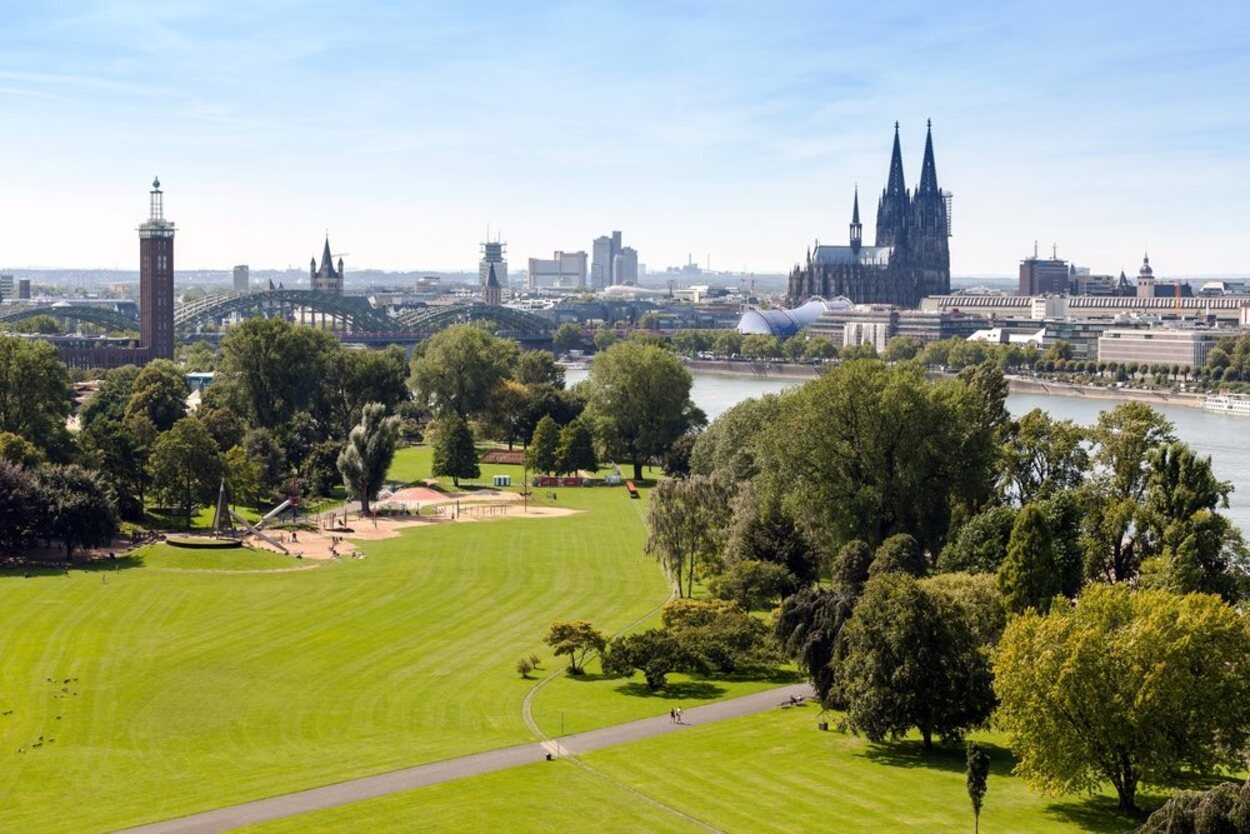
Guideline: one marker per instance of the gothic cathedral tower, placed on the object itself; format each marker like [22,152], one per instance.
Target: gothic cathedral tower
[156,280]
[895,207]
[930,228]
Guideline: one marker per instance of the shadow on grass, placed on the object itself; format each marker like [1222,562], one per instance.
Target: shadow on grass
[911,753]
[34,569]
[1097,813]
[685,691]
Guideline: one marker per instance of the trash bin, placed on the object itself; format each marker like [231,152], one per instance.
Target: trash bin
[823,726]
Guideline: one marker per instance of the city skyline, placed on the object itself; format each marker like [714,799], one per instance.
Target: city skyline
[730,129]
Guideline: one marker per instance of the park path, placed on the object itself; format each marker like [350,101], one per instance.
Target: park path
[370,787]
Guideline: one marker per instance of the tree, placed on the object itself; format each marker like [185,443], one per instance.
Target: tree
[119,450]
[20,509]
[224,425]
[457,369]
[639,402]
[356,377]
[454,453]
[567,337]
[1126,687]
[762,532]
[539,367]
[654,652]
[277,368]
[851,567]
[242,476]
[577,448]
[1123,439]
[1028,577]
[265,451]
[1224,809]
[675,462]
[368,454]
[577,639]
[913,660]
[753,585]
[35,395]
[686,519]
[42,324]
[159,392]
[1042,456]
[981,543]
[77,507]
[20,451]
[604,339]
[727,343]
[978,773]
[900,348]
[543,454]
[809,629]
[899,553]
[186,466]
[869,450]
[729,445]
[110,401]
[720,634]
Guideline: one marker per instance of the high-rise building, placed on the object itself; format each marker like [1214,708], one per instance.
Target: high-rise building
[23,289]
[493,256]
[242,278]
[156,279]
[625,267]
[564,269]
[1044,276]
[6,286]
[324,278]
[605,251]
[910,258]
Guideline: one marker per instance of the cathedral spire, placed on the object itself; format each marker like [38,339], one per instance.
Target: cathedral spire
[857,229]
[928,170]
[896,184]
[327,262]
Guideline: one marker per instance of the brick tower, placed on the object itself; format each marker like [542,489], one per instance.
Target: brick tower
[156,280]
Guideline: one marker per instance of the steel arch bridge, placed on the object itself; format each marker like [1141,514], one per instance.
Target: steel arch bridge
[356,312]
[103,316]
[429,320]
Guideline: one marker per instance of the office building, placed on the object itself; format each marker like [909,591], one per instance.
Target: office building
[242,278]
[6,287]
[625,268]
[23,289]
[563,269]
[156,280]
[1157,346]
[605,250]
[1044,276]
[493,256]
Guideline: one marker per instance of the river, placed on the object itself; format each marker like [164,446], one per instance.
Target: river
[1218,435]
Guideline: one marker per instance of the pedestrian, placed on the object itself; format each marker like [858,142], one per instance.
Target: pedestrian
[678,711]
[672,716]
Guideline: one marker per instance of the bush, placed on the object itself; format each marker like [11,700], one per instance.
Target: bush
[753,584]
[524,666]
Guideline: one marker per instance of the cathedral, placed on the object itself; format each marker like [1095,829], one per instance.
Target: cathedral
[911,258]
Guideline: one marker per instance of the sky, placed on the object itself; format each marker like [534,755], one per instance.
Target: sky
[728,130]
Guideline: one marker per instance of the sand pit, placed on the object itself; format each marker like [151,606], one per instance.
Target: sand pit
[327,543]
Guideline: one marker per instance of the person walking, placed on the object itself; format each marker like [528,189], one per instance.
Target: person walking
[672,716]
[678,711]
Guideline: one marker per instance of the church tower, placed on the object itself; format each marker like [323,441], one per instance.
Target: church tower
[895,206]
[491,292]
[929,231]
[327,278]
[156,279]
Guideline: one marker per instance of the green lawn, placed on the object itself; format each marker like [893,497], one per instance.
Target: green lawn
[769,772]
[168,557]
[191,689]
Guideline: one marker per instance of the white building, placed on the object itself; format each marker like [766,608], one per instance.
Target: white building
[563,269]
[625,267]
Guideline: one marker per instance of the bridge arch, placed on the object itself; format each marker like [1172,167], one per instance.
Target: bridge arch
[431,319]
[106,317]
[357,313]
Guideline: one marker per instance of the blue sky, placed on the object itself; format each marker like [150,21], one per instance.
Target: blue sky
[735,129]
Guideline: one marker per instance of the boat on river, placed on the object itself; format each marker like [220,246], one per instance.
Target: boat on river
[1227,404]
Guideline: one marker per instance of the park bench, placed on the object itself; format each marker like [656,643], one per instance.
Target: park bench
[633,490]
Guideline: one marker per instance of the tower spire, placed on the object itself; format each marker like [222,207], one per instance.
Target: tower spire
[327,262]
[896,184]
[928,170]
[857,229]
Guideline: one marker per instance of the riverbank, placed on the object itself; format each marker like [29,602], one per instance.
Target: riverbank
[754,369]
[1016,384]
[1030,385]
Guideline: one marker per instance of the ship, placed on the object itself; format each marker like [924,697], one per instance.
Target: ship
[1227,404]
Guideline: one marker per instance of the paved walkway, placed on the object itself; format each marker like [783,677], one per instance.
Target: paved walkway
[369,787]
